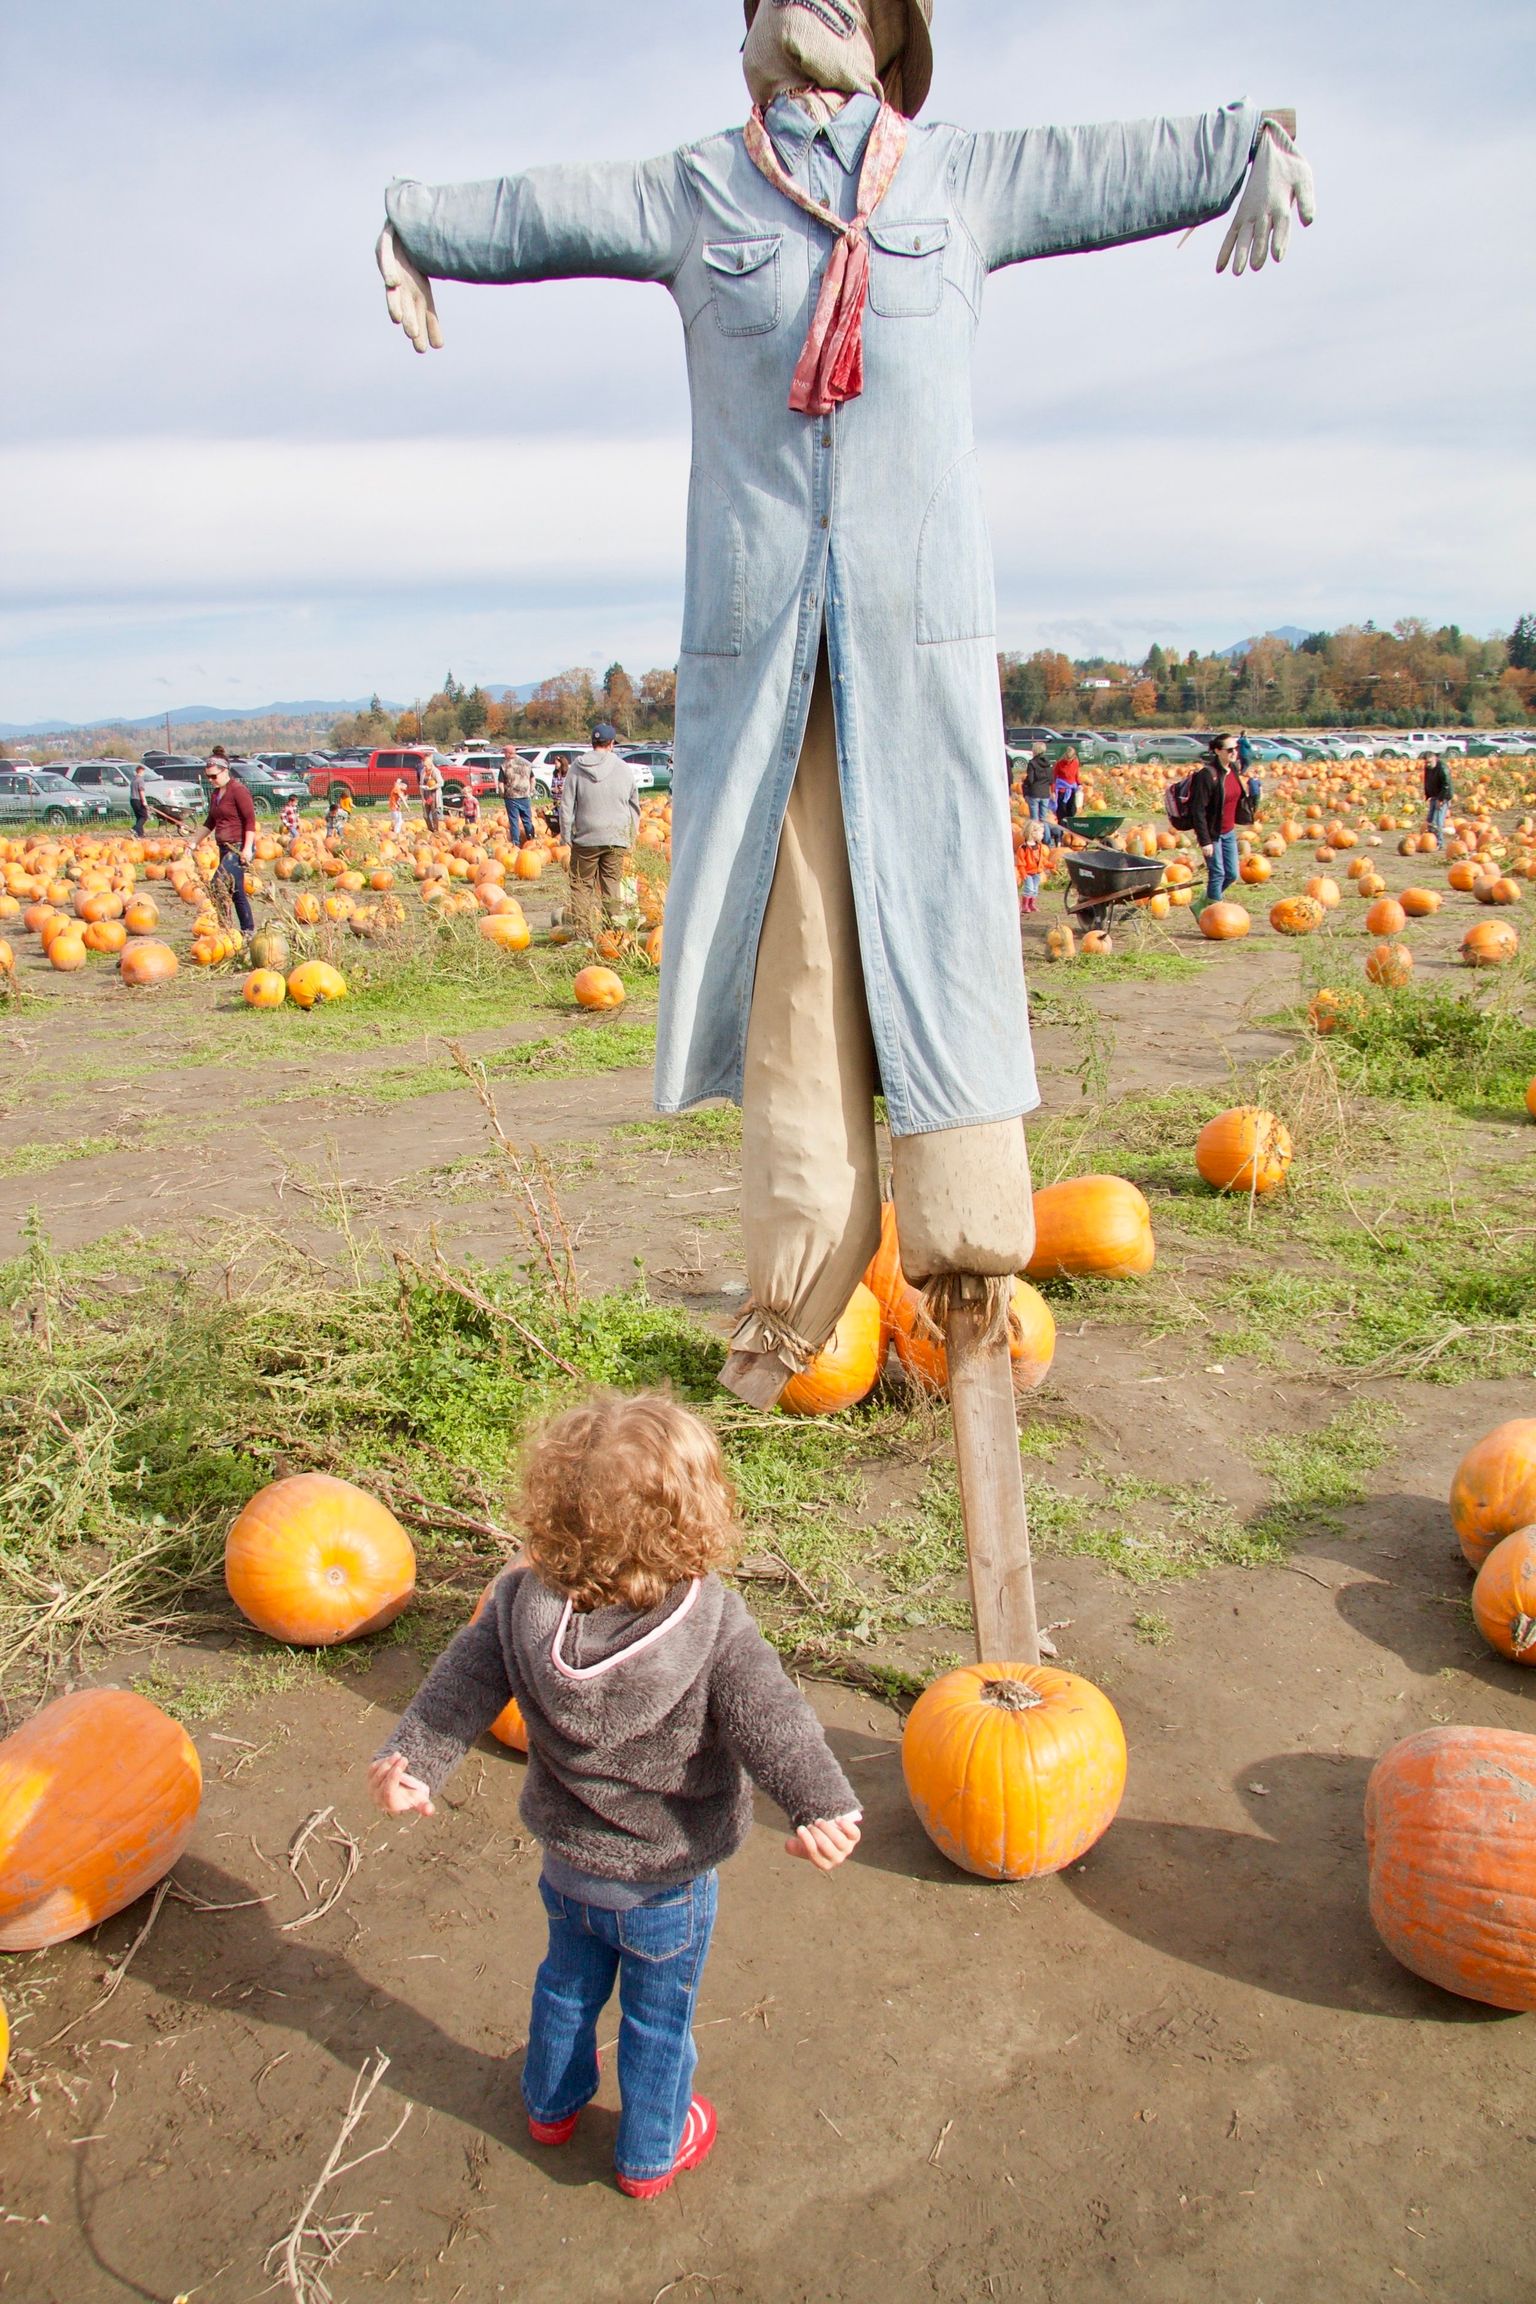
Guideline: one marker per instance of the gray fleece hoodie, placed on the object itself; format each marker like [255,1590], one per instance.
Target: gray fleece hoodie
[643,1730]
[600,802]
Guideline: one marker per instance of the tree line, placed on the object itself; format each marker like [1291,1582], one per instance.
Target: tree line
[1358,677]
[567,704]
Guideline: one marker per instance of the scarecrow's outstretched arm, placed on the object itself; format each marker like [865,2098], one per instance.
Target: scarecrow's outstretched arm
[1053,191]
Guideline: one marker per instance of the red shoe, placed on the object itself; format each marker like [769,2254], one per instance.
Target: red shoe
[557,2131]
[698,2141]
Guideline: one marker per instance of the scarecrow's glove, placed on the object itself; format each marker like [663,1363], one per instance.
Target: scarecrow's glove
[1279,180]
[408,293]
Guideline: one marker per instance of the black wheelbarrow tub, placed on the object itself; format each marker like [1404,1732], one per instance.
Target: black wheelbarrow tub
[1098,874]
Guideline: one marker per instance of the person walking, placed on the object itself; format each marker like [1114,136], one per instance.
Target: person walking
[557,776]
[1218,803]
[1066,788]
[1249,774]
[516,782]
[469,804]
[599,818]
[288,822]
[1038,780]
[1439,792]
[432,794]
[651,1705]
[138,799]
[399,795]
[231,818]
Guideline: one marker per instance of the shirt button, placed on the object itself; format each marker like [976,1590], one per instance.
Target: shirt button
[826,439]
[825,522]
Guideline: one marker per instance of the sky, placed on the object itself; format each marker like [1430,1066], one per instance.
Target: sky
[226,480]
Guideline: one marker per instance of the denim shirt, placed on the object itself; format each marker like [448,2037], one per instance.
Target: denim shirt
[868,524]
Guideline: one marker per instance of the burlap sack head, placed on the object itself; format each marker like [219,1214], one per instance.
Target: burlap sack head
[845,45]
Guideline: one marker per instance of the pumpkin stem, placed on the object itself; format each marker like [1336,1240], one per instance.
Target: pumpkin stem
[1523,1633]
[1010,1695]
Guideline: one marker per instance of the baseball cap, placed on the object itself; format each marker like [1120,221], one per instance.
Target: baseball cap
[604,733]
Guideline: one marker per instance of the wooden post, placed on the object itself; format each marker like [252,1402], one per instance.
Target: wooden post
[991,1485]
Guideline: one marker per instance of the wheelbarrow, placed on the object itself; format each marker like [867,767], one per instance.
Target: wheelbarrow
[1102,880]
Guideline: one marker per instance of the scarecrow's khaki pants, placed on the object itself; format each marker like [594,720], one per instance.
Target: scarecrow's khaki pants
[810,1161]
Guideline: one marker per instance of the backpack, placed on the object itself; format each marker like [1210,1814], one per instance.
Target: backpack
[1177,798]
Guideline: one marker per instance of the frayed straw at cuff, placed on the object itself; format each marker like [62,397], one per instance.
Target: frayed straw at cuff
[761,1331]
[939,1295]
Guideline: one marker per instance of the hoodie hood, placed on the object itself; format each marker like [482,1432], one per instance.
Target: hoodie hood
[612,1675]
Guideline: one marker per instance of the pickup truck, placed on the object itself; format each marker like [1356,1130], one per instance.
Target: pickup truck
[374,778]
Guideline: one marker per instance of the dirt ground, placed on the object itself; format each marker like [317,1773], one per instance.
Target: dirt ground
[1185,2069]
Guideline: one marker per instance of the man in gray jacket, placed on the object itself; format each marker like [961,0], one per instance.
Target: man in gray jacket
[599,817]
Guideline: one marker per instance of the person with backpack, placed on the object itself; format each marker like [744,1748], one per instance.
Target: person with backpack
[1438,794]
[1217,802]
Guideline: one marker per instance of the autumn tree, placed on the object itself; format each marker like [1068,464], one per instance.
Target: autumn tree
[658,701]
[620,704]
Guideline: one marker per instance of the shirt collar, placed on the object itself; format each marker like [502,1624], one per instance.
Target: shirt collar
[794,131]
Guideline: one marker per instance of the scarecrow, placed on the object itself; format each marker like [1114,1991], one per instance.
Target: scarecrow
[842,918]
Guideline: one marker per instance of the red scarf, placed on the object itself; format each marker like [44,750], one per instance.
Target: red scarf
[831,367]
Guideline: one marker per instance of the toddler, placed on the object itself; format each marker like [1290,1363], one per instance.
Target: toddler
[652,1704]
[1031,865]
[288,822]
[398,797]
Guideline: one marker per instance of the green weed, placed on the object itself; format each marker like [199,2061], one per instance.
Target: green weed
[1318,1474]
[37,1159]
[1151,1628]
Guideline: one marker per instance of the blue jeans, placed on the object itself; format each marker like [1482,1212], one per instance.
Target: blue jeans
[1039,806]
[657,1952]
[519,813]
[1221,866]
[1436,819]
[233,868]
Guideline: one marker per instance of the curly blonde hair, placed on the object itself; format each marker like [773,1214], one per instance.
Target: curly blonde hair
[625,1497]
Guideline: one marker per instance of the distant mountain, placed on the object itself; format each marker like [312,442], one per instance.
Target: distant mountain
[207,715]
[1292,634]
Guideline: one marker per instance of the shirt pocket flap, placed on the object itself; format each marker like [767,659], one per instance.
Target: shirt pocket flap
[909,239]
[737,256]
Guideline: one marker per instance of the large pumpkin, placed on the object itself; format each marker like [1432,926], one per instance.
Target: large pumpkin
[1494,1491]
[1222,921]
[1088,1225]
[1486,944]
[1453,1860]
[1296,915]
[313,1560]
[1389,965]
[508,1727]
[147,963]
[1031,1340]
[264,988]
[597,987]
[1244,1150]
[844,1371]
[314,981]
[98,1796]
[1504,1597]
[1014,1769]
[268,948]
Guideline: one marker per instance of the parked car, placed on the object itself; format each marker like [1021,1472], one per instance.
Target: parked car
[273,778]
[107,780]
[655,760]
[1268,748]
[374,778]
[1176,750]
[1094,749]
[37,795]
[1025,739]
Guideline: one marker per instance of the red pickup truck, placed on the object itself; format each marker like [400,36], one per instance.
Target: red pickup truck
[374,778]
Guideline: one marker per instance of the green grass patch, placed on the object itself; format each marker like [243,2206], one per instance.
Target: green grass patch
[1318,1474]
[1471,1051]
[716,1128]
[37,1159]
[1151,1628]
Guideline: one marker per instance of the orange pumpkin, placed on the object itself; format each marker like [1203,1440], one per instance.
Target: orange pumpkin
[98,1796]
[1098,944]
[1254,871]
[1244,1150]
[142,916]
[264,988]
[315,981]
[1453,1860]
[1386,917]
[1486,944]
[652,946]
[1296,915]
[1389,965]
[67,953]
[1530,1096]
[1419,903]
[147,963]
[1494,1491]
[598,987]
[508,1727]
[1324,891]
[7,959]
[1031,1340]
[508,931]
[105,936]
[1504,1597]
[1223,921]
[1060,944]
[845,1370]
[1091,1224]
[1014,1770]
[313,1560]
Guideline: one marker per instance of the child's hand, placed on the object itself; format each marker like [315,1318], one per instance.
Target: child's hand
[826,1845]
[395,1790]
